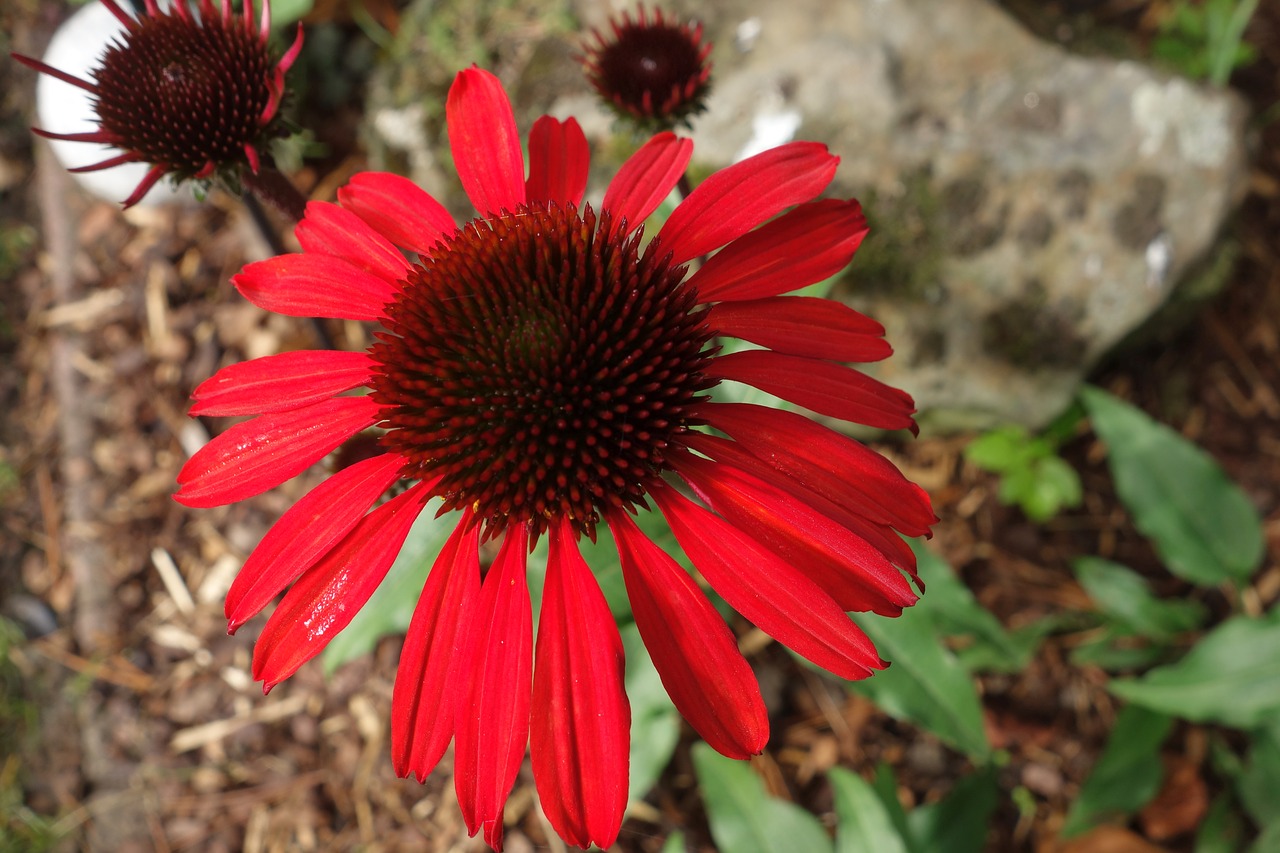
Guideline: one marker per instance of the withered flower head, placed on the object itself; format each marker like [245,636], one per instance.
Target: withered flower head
[197,96]
[652,71]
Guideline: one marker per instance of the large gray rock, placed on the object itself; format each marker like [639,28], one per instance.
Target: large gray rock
[1030,208]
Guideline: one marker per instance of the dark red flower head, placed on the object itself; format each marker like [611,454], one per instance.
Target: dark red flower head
[544,370]
[196,96]
[652,71]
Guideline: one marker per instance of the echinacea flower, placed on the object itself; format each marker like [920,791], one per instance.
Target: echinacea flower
[544,370]
[196,96]
[651,71]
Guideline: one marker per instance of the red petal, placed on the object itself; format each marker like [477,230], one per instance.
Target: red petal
[767,590]
[278,383]
[306,285]
[855,574]
[853,516]
[493,721]
[801,247]
[398,209]
[738,198]
[581,719]
[484,142]
[306,532]
[647,178]
[328,229]
[558,162]
[803,325]
[694,651]
[262,453]
[429,681]
[330,593]
[835,466]
[821,386]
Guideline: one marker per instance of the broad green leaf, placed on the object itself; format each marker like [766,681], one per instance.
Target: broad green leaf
[958,822]
[925,683]
[1259,783]
[864,824]
[1202,525]
[1128,772]
[655,722]
[1116,652]
[987,645]
[1125,598]
[743,818]
[1231,676]
[1000,450]
[885,785]
[390,608]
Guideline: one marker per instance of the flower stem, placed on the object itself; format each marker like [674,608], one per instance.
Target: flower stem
[275,189]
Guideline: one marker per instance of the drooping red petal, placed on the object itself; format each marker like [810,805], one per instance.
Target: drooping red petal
[768,590]
[485,142]
[559,161]
[149,180]
[581,731]
[398,209]
[37,65]
[327,229]
[328,595]
[803,325]
[647,178]
[854,516]
[306,285]
[835,466]
[262,453]
[278,383]
[739,197]
[822,386]
[306,532]
[493,721]
[430,680]
[695,653]
[854,573]
[801,247]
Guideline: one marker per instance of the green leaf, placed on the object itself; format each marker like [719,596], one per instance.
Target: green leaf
[285,12]
[1117,652]
[986,646]
[1202,525]
[1222,830]
[1259,783]
[1125,598]
[675,843]
[1232,677]
[958,822]
[1000,450]
[864,824]
[655,722]
[390,608]
[1128,772]
[925,684]
[1054,486]
[743,818]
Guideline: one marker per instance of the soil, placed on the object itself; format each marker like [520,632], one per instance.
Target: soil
[128,720]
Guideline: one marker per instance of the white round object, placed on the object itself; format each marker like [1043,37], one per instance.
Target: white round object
[77,48]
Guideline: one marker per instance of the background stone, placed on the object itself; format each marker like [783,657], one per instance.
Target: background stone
[1029,208]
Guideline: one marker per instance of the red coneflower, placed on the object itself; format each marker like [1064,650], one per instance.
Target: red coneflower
[653,72]
[543,370]
[196,96]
